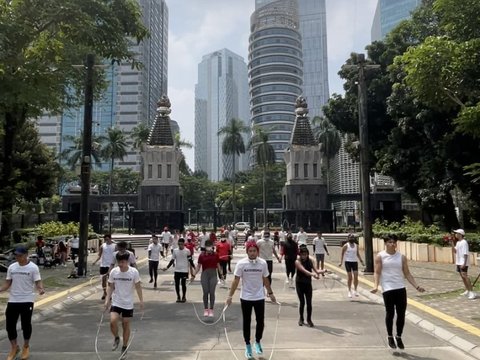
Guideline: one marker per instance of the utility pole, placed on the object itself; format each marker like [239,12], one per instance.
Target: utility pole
[86,166]
[362,67]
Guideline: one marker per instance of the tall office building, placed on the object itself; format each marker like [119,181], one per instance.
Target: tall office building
[389,13]
[275,70]
[221,94]
[131,95]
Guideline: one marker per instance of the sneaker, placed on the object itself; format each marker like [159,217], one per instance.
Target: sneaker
[178,300]
[287,281]
[465,293]
[391,342]
[116,342]
[206,312]
[12,355]
[248,351]
[310,323]
[471,295]
[210,313]
[155,285]
[184,299]
[300,322]
[104,296]
[151,281]
[258,348]
[25,353]
[349,294]
[355,293]
[399,341]
[124,353]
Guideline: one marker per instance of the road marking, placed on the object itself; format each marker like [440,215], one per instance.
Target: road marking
[422,307]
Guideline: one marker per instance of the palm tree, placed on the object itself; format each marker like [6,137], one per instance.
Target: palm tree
[140,135]
[234,145]
[265,156]
[327,134]
[73,154]
[179,144]
[115,149]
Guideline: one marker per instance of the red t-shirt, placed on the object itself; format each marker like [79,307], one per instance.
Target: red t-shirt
[190,246]
[223,250]
[208,261]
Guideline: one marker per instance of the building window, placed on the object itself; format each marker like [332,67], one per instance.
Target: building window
[296,171]
[150,171]
[159,169]
[148,202]
[169,171]
[167,202]
[315,171]
[159,201]
[305,171]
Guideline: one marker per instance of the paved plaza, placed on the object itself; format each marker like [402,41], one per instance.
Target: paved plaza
[344,328]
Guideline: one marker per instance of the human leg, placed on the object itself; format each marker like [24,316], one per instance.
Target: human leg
[126,330]
[247,307]
[150,270]
[308,300]
[184,285]
[259,308]
[155,273]
[26,312]
[270,270]
[205,281]
[401,308]
[301,298]
[114,316]
[212,287]
[389,301]
[177,285]
[12,313]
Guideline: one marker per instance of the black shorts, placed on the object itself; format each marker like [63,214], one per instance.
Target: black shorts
[459,269]
[351,266]
[320,257]
[104,270]
[74,251]
[125,313]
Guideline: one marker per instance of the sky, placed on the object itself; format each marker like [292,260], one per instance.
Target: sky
[199,27]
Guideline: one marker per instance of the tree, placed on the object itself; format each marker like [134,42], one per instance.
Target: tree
[140,134]
[40,41]
[115,148]
[125,181]
[234,145]
[265,156]
[73,154]
[179,144]
[330,138]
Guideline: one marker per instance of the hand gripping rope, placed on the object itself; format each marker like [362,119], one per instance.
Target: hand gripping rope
[274,336]
[132,336]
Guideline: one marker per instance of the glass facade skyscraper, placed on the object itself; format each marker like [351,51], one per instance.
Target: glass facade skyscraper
[275,70]
[389,13]
[221,94]
[131,96]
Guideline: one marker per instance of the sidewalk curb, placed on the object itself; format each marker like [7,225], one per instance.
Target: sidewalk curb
[435,330]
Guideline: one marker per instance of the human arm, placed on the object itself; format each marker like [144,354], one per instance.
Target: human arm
[6,285]
[138,287]
[192,267]
[266,283]
[108,297]
[301,268]
[233,288]
[344,248]
[39,286]
[276,255]
[359,257]
[100,252]
[325,247]
[377,273]
[169,265]
[409,276]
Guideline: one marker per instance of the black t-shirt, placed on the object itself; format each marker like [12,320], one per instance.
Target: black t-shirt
[290,250]
[301,276]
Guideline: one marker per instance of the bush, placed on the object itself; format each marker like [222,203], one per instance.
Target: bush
[57,228]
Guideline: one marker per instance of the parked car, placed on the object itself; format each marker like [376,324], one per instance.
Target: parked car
[242,225]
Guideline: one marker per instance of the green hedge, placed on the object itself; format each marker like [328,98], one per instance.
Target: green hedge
[415,231]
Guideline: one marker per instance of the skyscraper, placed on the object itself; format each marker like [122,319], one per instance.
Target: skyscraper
[309,21]
[221,94]
[131,95]
[388,14]
[275,69]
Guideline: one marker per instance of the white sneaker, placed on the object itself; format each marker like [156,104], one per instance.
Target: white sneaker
[355,293]
[471,295]
[465,293]
[287,281]
[349,294]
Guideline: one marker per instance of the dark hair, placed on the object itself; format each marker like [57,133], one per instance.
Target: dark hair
[122,245]
[181,240]
[390,237]
[122,256]
[289,237]
[208,243]
[304,250]
[107,236]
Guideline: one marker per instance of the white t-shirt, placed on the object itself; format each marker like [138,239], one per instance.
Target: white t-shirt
[107,254]
[351,253]
[252,238]
[252,274]
[182,258]
[75,243]
[392,276]
[302,238]
[203,238]
[266,249]
[155,250]
[166,237]
[462,250]
[124,286]
[23,279]
[131,258]
[319,244]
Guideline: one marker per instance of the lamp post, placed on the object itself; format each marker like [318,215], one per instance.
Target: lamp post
[189,222]
[254,218]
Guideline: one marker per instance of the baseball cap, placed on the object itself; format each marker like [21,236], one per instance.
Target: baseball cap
[20,250]
[459,231]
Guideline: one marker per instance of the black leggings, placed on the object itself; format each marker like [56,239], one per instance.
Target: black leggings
[395,301]
[304,292]
[290,267]
[259,307]
[153,269]
[223,265]
[270,270]
[183,277]
[12,313]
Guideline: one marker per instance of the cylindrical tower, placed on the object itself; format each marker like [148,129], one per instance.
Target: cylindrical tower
[275,70]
